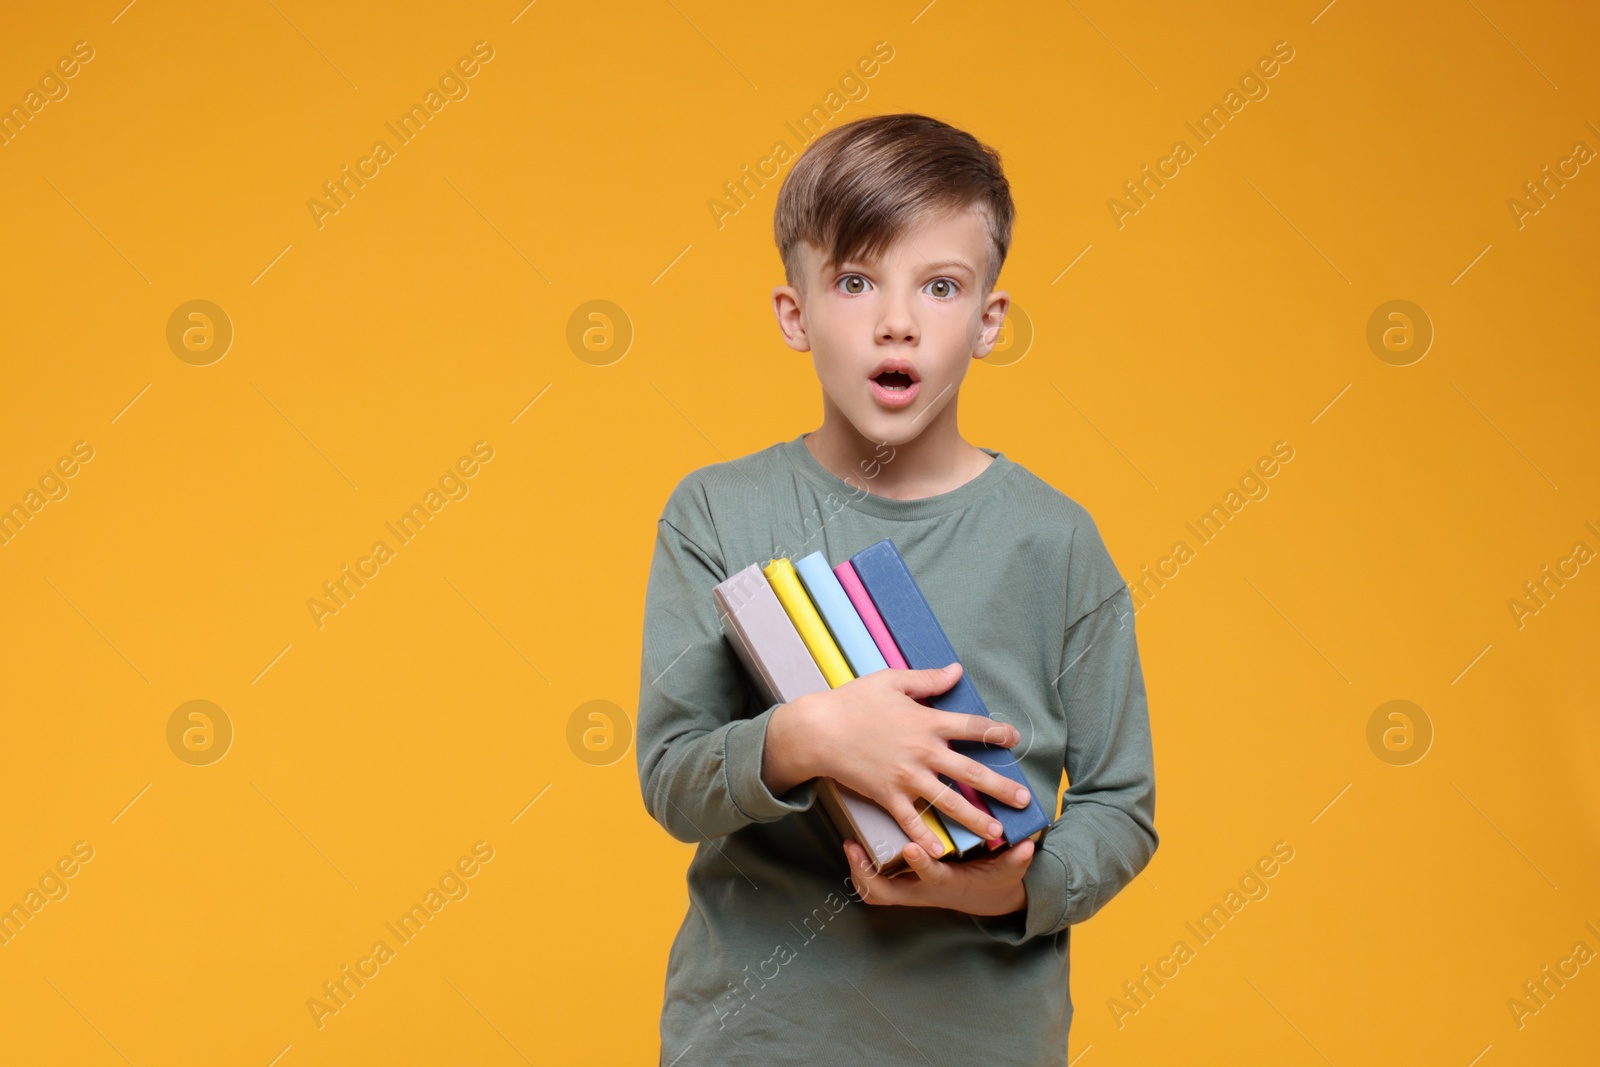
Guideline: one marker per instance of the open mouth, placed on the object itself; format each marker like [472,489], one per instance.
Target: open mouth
[893,388]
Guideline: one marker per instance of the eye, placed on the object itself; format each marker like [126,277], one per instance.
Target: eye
[848,280]
[949,288]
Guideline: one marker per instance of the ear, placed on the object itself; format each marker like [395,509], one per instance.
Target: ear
[994,317]
[787,304]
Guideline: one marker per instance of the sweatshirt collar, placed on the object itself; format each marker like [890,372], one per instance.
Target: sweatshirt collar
[857,494]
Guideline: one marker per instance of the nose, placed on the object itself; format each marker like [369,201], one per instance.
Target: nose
[897,324]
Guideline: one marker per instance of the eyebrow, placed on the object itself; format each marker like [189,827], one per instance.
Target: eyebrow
[945,264]
[960,264]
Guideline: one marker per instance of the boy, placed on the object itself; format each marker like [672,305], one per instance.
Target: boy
[892,231]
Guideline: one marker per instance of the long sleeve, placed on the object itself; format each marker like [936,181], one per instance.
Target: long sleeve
[1106,833]
[699,758]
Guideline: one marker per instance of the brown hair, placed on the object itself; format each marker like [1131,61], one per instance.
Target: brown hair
[859,185]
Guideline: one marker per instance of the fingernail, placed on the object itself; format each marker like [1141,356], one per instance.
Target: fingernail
[994,829]
[1022,796]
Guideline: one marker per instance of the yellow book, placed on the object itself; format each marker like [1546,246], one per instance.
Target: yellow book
[835,669]
[931,818]
[813,631]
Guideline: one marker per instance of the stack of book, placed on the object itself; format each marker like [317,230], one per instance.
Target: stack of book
[800,627]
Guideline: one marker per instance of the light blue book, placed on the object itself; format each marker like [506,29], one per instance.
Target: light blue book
[833,604]
[860,651]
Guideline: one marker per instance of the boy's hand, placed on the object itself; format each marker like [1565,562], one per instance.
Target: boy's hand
[872,735]
[988,886]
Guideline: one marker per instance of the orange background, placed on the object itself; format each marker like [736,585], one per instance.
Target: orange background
[432,311]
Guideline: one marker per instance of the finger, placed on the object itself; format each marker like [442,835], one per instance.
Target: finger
[858,852]
[960,726]
[928,870]
[977,800]
[926,682]
[1018,855]
[950,801]
[871,887]
[1000,733]
[910,820]
[1007,864]
[990,783]
[861,872]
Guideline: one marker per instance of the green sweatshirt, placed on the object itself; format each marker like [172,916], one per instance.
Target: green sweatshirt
[778,961]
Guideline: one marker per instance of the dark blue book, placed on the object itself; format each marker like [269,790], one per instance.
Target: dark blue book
[923,643]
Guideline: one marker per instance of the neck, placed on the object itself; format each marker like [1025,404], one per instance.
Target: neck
[934,461]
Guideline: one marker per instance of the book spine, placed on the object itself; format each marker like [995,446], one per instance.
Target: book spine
[840,615]
[859,819]
[850,582]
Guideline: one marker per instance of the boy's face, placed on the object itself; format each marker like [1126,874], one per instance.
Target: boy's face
[918,306]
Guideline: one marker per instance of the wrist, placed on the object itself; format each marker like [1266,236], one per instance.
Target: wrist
[788,757]
[1013,903]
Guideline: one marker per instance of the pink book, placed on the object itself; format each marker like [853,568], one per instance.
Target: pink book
[891,655]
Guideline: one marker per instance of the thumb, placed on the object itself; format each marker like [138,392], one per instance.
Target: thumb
[929,680]
[1019,854]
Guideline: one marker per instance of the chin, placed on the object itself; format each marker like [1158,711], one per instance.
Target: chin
[894,430]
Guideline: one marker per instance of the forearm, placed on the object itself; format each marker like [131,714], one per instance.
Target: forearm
[1106,833]
[700,751]
[703,787]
